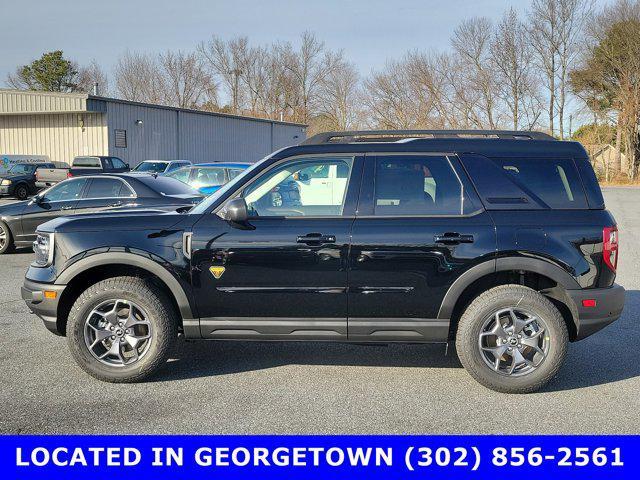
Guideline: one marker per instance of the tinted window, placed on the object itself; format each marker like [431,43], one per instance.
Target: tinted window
[301,188]
[234,172]
[554,181]
[117,163]
[415,185]
[208,177]
[67,190]
[107,188]
[22,169]
[86,162]
[182,174]
[153,167]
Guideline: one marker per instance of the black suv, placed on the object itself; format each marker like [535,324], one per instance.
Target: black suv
[497,241]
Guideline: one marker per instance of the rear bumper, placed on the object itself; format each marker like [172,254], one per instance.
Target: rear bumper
[45,308]
[609,306]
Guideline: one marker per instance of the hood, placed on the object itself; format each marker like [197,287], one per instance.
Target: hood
[130,220]
[7,176]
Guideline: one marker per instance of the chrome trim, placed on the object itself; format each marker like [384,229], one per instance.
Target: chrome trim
[186,244]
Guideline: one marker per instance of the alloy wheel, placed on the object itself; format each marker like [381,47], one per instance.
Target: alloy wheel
[514,342]
[4,237]
[118,332]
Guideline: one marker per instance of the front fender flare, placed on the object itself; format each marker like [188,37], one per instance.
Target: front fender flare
[125,258]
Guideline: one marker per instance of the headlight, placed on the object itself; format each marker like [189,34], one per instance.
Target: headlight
[6,182]
[43,248]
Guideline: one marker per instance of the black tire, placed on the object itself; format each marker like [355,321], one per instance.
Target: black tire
[485,305]
[6,239]
[162,318]
[21,192]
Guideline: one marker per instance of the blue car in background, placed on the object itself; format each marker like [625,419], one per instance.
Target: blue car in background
[208,177]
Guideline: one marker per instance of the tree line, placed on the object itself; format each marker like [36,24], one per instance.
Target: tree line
[562,59]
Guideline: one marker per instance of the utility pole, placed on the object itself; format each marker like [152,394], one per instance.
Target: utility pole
[570,125]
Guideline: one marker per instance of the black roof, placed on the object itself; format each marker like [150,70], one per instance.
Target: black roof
[370,136]
[488,143]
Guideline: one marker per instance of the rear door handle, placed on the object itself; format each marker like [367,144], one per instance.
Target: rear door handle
[316,239]
[452,238]
[117,204]
[66,207]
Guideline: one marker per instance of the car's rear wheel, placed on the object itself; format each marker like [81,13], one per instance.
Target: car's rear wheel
[21,192]
[6,240]
[122,329]
[512,339]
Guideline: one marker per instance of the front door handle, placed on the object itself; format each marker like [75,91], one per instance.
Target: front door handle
[316,239]
[116,204]
[452,238]
[66,207]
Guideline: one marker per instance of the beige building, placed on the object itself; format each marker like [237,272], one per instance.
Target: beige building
[64,125]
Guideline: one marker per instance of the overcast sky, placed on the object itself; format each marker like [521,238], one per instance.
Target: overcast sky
[369,31]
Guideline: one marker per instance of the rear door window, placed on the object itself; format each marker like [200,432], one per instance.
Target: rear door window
[417,185]
[554,181]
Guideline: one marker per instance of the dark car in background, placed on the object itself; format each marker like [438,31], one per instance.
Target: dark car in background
[20,180]
[161,167]
[88,165]
[88,194]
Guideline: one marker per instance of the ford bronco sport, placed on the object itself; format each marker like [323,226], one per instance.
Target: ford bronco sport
[497,241]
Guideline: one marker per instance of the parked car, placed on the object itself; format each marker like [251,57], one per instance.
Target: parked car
[20,180]
[497,241]
[80,166]
[209,177]
[161,167]
[89,194]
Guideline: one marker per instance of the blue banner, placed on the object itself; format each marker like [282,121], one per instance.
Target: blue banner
[317,457]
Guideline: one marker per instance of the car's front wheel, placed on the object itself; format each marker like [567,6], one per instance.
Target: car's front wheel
[6,240]
[22,192]
[512,339]
[121,329]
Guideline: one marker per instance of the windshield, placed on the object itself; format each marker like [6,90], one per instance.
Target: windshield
[203,206]
[21,169]
[152,167]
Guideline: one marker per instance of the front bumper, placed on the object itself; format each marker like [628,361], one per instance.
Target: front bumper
[6,190]
[609,306]
[45,308]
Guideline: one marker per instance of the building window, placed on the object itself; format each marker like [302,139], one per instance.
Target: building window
[121,138]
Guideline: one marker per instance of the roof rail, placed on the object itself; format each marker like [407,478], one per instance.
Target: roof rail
[399,135]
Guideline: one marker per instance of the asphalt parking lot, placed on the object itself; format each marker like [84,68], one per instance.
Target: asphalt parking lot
[217,387]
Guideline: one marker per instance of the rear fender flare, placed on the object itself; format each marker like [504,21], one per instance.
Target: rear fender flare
[535,265]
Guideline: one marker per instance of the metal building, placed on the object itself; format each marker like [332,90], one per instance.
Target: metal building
[65,125]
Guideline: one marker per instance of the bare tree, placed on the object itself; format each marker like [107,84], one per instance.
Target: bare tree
[227,60]
[338,97]
[92,79]
[511,59]
[137,77]
[476,83]
[186,84]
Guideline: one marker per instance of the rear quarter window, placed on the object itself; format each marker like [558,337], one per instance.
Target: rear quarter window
[554,181]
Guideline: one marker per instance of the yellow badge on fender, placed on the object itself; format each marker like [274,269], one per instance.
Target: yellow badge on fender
[216,272]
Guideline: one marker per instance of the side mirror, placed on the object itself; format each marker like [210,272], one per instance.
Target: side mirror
[236,210]
[37,199]
[126,165]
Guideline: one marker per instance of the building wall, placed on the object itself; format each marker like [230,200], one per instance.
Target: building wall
[60,136]
[178,134]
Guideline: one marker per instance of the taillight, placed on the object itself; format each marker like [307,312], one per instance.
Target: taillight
[610,247]
[69,174]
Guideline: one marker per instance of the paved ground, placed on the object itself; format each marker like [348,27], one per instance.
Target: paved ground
[316,388]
